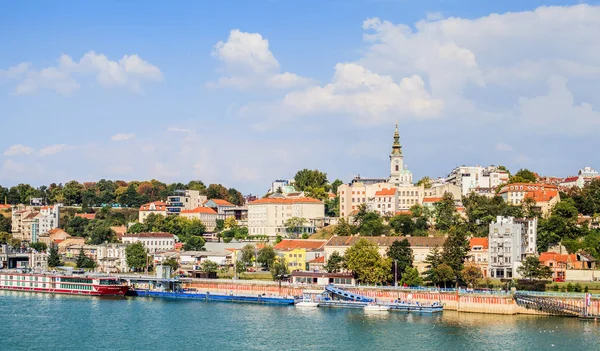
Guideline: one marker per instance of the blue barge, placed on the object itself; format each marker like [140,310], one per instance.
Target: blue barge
[258,299]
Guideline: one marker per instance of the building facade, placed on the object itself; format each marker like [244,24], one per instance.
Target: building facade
[29,224]
[511,240]
[268,216]
[112,258]
[153,242]
[299,252]
[156,207]
[206,215]
[184,200]
[471,178]
[545,196]
[220,206]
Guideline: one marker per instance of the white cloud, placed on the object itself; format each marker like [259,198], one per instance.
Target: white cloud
[248,61]
[54,149]
[18,149]
[503,147]
[123,137]
[180,130]
[130,72]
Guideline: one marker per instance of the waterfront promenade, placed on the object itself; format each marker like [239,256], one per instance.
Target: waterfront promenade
[462,302]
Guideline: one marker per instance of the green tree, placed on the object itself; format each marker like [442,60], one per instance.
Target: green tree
[230,223]
[247,254]
[136,256]
[445,213]
[343,228]
[456,249]
[402,224]
[523,176]
[39,246]
[266,256]
[471,274]
[335,185]
[334,263]
[72,193]
[279,268]
[171,262]
[77,226]
[54,257]
[217,191]
[445,274]
[5,224]
[235,197]
[365,261]
[137,228]
[83,261]
[316,193]
[294,226]
[314,179]
[401,253]
[195,227]
[411,277]
[209,266]
[332,207]
[101,233]
[426,182]
[532,268]
[194,243]
[433,261]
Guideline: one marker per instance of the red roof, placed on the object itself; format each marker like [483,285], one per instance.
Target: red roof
[553,256]
[89,216]
[159,206]
[386,192]
[320,259]
[570,179]
[206,210]
[148,235]
[300,200]
[479,242]
[2,207]
[432,199]
[291,244]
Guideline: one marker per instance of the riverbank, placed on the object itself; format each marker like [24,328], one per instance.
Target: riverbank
[487,304]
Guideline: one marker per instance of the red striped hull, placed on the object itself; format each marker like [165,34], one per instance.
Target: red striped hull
[100,290]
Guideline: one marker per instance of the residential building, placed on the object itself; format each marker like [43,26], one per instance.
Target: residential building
[54,236]
[478,253]
[268,216]
[298,252]
[420,246]
[240,213]
[385,202]
[153,242]
[558,263]
[184,200]
[584,176]
[511,240]
[112,258]
[545,196]
[156,207]
[317,265]
[469,178]
[206,215]
[323,278]
[68,242]
[439,189]
[91,251]
[220,206]
[28,224]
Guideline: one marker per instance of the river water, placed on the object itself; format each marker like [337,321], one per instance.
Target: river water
[53,322]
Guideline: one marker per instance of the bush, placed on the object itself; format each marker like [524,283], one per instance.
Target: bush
[570,287]
[531,285]
[578,288]
[586,289]
[563,289]
[555,287]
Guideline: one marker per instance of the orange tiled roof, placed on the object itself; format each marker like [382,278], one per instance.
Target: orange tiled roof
[222,202]
[386,192]
[553,256]
[432,199]
[404,212]
[159,206]
[479,242]
[320,259]
[206,210]
[300,200]
[89,216]
[2,207]
[291,244]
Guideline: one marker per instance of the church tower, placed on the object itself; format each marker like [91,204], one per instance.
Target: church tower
[398,175]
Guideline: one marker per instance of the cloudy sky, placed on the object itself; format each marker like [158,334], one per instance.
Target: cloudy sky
[243,92]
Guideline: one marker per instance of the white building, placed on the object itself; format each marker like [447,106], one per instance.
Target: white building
[112,258]
[184,200]
[268,216]
[156,207]
[206,215]
[510,241]
[27,224]
[470,178]
[154,242]
[584,176]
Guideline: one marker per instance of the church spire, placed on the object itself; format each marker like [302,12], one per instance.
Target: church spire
[396,147]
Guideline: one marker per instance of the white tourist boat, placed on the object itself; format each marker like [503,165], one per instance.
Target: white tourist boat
[376,308]
[307,304]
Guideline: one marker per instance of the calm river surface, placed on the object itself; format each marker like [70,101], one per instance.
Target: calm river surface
[53,322]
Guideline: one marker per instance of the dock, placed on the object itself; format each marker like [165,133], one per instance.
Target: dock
[259,299]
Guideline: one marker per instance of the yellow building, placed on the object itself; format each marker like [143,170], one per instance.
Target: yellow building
[298,252]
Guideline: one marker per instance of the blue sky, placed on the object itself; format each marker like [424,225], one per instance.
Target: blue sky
[243,92]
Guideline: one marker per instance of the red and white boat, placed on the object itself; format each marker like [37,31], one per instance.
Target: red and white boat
[62,284]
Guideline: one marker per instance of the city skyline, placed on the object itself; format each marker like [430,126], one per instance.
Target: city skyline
[242,94]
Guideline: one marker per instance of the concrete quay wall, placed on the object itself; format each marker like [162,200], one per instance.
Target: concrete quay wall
[451,301]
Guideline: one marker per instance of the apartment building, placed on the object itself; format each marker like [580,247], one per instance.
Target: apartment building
[28,223]
[470,178]
[206,215]
[156,207]
[545,196]
[268,216]
[153,242]
[184,200]
[510,241]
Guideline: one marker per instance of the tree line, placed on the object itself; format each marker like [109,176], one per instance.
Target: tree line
[109,192]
